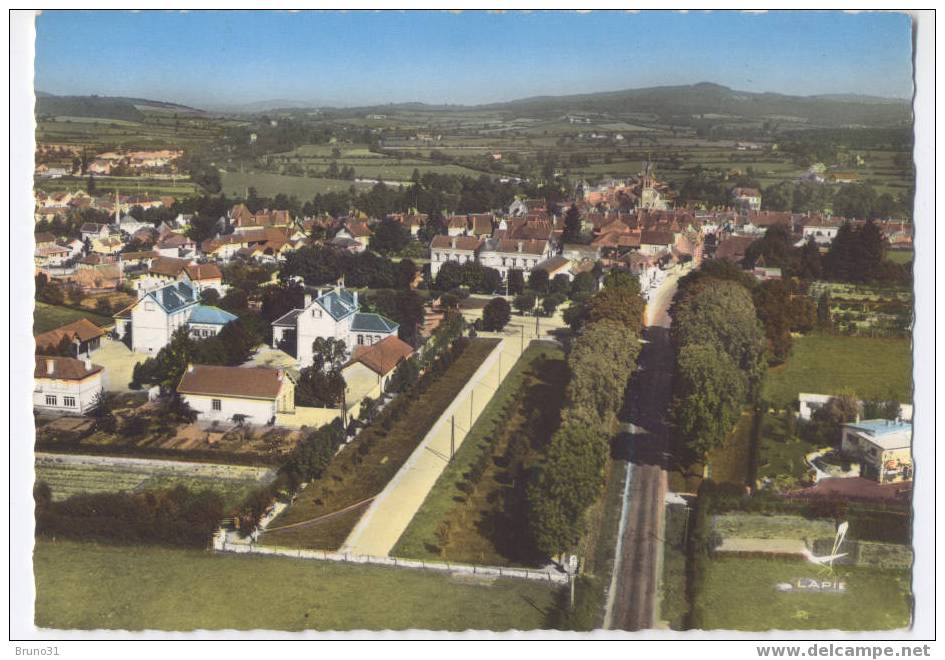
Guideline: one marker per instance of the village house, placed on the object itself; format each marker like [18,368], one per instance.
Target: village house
[83,336]
[460,249]
[237,394]
[883,448]
[151,321]
[554,266]
[66,385]
[821,230]
[356,231]
[371,367]
[93,230]
[747,199]
[51,256]
[333,314]
[655,242]
[507,254]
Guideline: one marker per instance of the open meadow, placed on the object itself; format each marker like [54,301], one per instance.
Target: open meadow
[90,586]
[49,317]
[872,367]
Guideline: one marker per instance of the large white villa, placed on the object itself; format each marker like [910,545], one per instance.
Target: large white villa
[333,314]
[152,319]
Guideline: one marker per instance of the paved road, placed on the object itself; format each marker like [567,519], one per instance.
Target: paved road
[636,588]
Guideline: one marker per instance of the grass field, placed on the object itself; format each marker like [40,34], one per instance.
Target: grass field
[483,525]
[900,256]
[88,586]
[365,466]
[49,317]
[269,184]
[827,364]
[673,606]
[124,185]
[740,594]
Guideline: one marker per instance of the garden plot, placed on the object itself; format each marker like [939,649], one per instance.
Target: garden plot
[867,310]
[69,475]
[760,526]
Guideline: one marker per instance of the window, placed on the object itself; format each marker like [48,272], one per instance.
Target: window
[360,340]
[68,401]
[217,404]
[51,399]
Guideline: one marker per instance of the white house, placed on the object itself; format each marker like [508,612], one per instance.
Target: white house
[251,394]
[882,446]
[505,254]
[747,199]
[334,314]
[67,385]
[157,314]
[452,248]
[822,230]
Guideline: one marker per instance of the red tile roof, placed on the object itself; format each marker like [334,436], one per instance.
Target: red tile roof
[62,368]
[240,382]
[384,356]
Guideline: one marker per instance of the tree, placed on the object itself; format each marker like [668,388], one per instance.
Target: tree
[516,281]
[572,225]
[772,300]
[390,237]
[525,301]
[328,354]
[406,273]
[496,315]
[550,302]
[881,408]
[708,391]
[621,303]
[538,281]
[722,314]
[601,360]
[583,286]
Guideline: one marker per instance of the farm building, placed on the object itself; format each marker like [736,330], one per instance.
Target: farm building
[83,335]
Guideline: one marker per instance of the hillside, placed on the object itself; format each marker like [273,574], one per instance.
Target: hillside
[104,107]
[707,98]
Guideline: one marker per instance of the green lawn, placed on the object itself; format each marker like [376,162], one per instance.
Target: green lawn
[827,364]
[728,463]
[900,256]
[782,452]
[481,530]
[49,317]
[740,594]
[89,586]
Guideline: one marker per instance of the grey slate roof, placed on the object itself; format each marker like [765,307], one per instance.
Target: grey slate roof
[364,322]
[288,320]
[175,296]
[338,304]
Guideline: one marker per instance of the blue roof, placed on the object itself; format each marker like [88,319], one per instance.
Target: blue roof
[338,304]
[880,427]
[175,296]
[372,323]
[211,315]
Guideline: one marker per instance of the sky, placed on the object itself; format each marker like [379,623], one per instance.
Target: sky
[228,58]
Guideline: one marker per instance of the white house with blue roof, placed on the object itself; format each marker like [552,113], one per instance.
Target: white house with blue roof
[883,448]
[157,314]
[333,314]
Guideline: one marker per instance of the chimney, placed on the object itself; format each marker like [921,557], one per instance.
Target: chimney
[88,364]
[308,298]
[453,242]
[355,296]
[190,368]
[519,246]
[279,375]
[50,367]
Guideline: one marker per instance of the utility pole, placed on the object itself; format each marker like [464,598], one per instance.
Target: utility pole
[472,398]
[452,437]
[523,338]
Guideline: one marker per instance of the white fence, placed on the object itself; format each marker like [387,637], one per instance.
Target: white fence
[220,544]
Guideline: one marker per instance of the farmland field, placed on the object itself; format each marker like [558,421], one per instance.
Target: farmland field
[89,586]
[269,184]
[69,475]
[740,594]
[181,186]
[48,317]
[827,364]
[867,310]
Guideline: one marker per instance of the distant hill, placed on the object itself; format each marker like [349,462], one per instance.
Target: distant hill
[104,107]
[709,98]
